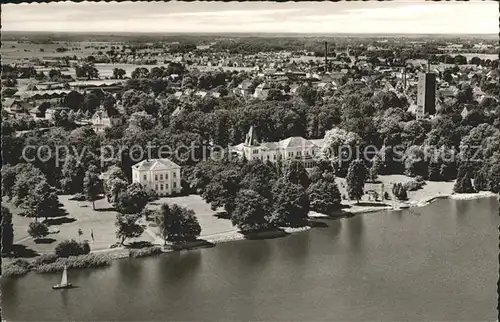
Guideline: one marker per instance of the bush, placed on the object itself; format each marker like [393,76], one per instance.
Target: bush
[38,230]
[152,195]
[78,197]
[68,248]
[399,191]
[413,185]
[14,270]
[45,259]
[145,252]
[83,261]
[420,179]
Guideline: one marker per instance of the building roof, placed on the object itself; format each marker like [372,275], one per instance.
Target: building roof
[155,164]
[295,142]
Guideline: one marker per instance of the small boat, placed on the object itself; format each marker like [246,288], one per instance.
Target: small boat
[64,281]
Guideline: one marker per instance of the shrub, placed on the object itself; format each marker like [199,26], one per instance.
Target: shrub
[399,191]
[78,197]
[420,179]
[413,185]
[38,230]
[83,261]
[152,195]
[14,270]
[45,259]
[145,252]
[68,248]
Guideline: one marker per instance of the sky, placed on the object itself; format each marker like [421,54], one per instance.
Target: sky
[400,16]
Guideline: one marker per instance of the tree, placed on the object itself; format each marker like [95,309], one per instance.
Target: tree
[86,70]
[463,183]
[251,213]
[68,248]
[72,174]
[324,195]
[296,173]
[127,227]
[399,191]
[114,184]
[132,200]
[41,200]
[6,231]
[377,164]
[38,230]
[356,178]
[291,204]
[118,73]
[92,185]
[177,224]
[222,189]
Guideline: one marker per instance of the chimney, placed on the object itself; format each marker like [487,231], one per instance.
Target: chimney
[326,57]
[428,66]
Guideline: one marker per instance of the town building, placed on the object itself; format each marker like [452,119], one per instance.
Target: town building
[102,120]
[160,175]
[426,95]
[291,148]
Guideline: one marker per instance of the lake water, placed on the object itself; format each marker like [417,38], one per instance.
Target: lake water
[439,262]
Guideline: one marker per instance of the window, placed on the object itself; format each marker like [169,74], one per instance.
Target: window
[166,186]
[175,175]
[156,177]
[161,186]
[268,156]
[145,177]
[175,184]
[156,187]
[161,176]
[298,153]
[166,176]
[255,151]
[274,157]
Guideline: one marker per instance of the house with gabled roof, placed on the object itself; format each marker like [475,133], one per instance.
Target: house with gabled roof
[102,120]
[161,175]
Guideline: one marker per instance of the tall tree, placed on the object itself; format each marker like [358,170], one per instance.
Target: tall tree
[291,204]
[177,224]
[132,200]
[127,227]
[6,231]
[356,178]
[252,212]
[463,183]
[92,185]
[324,195]
[296,173]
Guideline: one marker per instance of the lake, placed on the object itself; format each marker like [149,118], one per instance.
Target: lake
[439,262]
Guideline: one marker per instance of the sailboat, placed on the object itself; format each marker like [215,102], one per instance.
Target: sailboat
[64,281]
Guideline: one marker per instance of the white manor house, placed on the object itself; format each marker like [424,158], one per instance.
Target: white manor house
[160,175]
[295,147]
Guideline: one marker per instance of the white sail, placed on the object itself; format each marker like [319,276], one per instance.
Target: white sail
[64,279]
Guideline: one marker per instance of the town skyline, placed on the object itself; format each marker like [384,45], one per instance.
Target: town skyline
[396,17]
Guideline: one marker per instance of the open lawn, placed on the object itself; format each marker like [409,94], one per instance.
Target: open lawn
[80,216]
[429,190]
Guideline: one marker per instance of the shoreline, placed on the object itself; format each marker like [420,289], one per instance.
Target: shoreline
[232,236]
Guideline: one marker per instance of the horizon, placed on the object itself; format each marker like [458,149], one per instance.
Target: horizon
[408,17]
